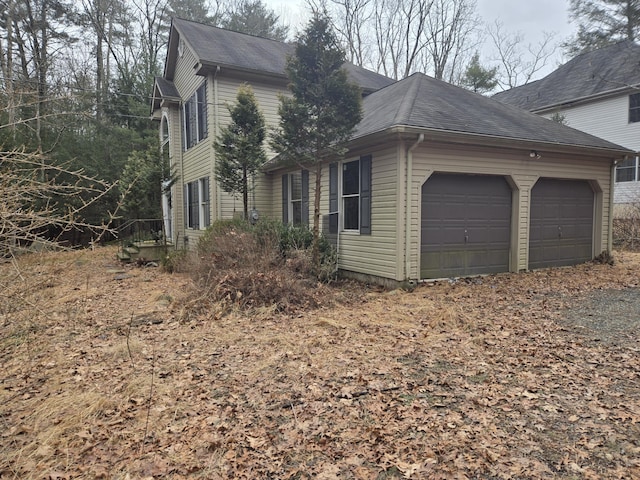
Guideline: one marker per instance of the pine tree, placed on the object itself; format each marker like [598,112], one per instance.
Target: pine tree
[478,78]
[254,18]
[239,147]
[318,119]
[603,22]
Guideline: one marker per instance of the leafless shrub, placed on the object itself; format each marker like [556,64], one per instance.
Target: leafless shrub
[626,226]
[38,198]
[244,267]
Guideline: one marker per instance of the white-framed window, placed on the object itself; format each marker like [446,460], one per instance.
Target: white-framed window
[351,195]
[197,205]
[627,170]
[634,108]
[194,118]
[295,198]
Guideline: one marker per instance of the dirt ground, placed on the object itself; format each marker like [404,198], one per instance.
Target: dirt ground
[104,375]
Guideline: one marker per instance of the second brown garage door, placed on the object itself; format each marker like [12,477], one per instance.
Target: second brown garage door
[465,225]
[561,228]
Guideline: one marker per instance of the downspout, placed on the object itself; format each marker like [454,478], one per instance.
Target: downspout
[612,182]
[215,136]
[407,234]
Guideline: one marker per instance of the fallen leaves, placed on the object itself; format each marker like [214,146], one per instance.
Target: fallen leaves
[481,379]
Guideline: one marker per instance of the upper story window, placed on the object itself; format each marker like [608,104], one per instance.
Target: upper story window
[194,115]
[627,171]
[634,108]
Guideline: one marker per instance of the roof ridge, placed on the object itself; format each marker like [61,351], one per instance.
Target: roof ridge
[405,107]
[232,31]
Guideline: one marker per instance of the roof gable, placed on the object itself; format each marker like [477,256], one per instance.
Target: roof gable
[423,102]
[591,74]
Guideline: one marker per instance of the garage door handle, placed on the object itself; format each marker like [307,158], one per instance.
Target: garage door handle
[559,231]
[466,237]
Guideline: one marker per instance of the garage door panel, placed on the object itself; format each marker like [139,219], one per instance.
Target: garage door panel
[561,228]
[466,225]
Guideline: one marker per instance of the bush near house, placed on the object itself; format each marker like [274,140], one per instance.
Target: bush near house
[240,265]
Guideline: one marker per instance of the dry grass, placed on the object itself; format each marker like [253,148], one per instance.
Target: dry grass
[472,378]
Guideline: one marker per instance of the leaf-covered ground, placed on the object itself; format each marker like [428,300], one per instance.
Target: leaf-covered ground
[494,377]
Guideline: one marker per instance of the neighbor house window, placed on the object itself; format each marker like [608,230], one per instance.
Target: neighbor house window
[634,108]
[295,198]
[194,117]
[627,171]
[197,204]
[350,196]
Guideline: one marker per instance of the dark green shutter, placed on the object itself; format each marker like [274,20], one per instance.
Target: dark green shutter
[305,197]
[185,202]
[333,198]
[365,195]
[285,198]
[206,199]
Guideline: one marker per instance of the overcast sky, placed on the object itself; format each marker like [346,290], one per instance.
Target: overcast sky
[530,17]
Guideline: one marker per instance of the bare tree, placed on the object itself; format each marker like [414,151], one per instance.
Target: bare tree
[350,21]
[518,63]
[449,30]
[32,209]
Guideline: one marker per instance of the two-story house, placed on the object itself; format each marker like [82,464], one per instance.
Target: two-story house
[437,182]
[597,92]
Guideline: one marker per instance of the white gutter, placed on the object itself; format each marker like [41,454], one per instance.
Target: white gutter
[407,235]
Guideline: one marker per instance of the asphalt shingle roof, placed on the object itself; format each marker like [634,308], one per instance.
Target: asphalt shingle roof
[424,102]
[593,73]
[218,46]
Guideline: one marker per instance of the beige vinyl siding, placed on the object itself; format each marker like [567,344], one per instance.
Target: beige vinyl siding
[267,97]
[175,158]
[523,172]
[375,254]
[185,80]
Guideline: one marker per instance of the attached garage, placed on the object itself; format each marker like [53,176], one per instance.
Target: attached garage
[465,225]
[561,228]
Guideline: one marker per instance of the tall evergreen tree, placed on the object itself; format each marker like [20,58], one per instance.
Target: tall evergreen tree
[239,147]
[478,78]
[602,22]
[318,119]
[253,17]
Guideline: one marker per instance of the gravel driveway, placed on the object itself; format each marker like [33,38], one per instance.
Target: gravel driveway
[610,316]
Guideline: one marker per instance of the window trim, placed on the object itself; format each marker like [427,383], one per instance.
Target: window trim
[336,197]
[287,197]
[194,118]
[634,110]
[626,168]
[197,204]
[344,196]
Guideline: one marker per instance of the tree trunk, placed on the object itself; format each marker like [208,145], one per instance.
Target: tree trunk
[315,251]
[245,193]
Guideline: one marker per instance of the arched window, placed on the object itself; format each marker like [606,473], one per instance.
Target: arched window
[164,132]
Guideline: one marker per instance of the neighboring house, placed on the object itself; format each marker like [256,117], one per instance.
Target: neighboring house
[438,181]
[599,93]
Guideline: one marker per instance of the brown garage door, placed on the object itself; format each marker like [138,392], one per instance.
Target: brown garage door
[465,225]
[561,227]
